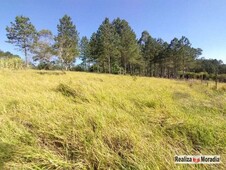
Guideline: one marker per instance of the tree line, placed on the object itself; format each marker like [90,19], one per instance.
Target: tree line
[113,48]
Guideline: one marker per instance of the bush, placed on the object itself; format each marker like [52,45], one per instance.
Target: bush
[12,63]
[44,66]
[77,68]
[193,75]
[222,78]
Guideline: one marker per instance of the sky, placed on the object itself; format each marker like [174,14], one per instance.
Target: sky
[201,21]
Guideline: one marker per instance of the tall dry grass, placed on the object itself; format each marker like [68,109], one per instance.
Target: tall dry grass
[52,120]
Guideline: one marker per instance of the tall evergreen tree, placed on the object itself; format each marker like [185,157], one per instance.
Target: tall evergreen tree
[184,52]
[174,57]
[160,47]
[107,41]
[67,42]
[128,47]
[85,52]
[162,59]
[150,49]
[21,33]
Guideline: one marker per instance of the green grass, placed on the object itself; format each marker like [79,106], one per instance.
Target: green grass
[52,120]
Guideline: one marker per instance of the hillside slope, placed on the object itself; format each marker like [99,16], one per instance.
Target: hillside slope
[51,120]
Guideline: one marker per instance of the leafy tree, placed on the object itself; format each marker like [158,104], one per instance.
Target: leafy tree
[42,47]
[191,63]
[222,69]
[21,33]
[67,41]
[215,66]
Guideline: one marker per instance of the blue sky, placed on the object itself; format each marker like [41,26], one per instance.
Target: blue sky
[202,21]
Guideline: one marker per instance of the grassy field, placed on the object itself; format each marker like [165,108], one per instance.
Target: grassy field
[51,120]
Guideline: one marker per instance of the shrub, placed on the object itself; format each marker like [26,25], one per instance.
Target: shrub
[222,78]
[11,63]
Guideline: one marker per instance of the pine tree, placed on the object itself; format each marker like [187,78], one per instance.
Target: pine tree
[150,49]
[85,52]
[128,47]
[106,45]
[67,42]
[21,33]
